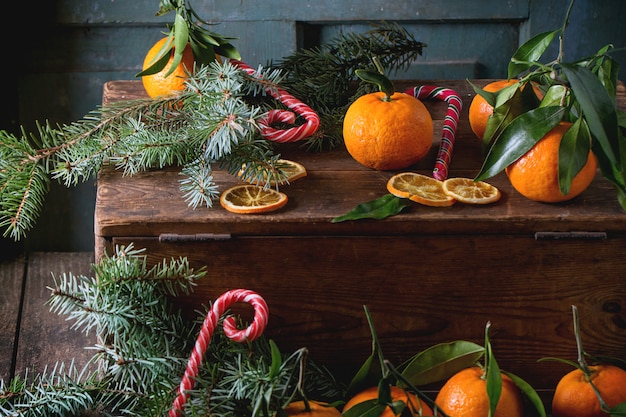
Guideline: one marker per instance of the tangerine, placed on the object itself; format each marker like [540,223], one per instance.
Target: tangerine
[465,395]
[315,409]
[535,174]
[574,395]
[480,111]
[397,394]
[158,84]
[387,134]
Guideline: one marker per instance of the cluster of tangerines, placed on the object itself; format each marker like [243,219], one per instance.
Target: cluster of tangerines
[465,395]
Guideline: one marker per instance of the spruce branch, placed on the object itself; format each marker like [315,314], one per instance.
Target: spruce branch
[143,345]
[325,76]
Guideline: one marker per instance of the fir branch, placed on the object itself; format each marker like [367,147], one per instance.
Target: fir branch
[324,76]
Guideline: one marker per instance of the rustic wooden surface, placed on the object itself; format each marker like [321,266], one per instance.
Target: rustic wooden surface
[428,275]
[32,337]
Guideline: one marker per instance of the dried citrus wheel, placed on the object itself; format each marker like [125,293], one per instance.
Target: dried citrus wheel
[419,188]
[249,199]
[287,170]
[466,190]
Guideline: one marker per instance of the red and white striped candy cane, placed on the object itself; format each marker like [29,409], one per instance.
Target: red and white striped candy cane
[261,313]
[451,121]
[284,135]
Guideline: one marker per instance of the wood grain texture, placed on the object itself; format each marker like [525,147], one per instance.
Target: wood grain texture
[46,338]
[12,274]
[428,275]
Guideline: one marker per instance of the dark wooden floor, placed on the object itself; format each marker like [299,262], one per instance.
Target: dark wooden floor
[31,336]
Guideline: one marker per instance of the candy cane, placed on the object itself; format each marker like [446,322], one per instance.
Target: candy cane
[451,121]
[230,329]
[284,135]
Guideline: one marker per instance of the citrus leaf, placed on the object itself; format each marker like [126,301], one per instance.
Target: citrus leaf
[556,95]
[227,50]
[367,408]
[518,137]
[384,83]
[511,102]
[530,52]
[597,107]
[371,372]
[573,153]
[380,208]
[181,38]
[441,361]
[156,67]
[494,376]
[529,392]
[277,360]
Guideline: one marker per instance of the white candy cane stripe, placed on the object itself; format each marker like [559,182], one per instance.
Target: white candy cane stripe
[450,124]
[259,323]
[284,135]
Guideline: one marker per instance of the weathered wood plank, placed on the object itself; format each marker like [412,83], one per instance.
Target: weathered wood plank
[11,281]
[139,11]
[46,338]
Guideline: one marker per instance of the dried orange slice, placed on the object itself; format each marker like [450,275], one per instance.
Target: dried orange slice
[419,188]
[286,172]
[466,190]
[250,199]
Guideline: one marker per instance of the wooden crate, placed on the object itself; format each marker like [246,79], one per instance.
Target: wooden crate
[428,275]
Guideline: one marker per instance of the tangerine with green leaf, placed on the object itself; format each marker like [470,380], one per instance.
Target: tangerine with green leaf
[465,395]
[387,130]
[162,83]
[413,403]
[535,175]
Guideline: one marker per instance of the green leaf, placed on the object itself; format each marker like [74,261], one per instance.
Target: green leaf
[277,359]
[529,392]
[380,208]
[518,137]
[494,376]
[441,361]
[598,108]
[529,53]
[228,51]
[573,153]
[557,95]
[181,39]
[511,102]
[381,80]
[161,59]
[371,372]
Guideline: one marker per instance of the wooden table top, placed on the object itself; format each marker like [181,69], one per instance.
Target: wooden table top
[150,203]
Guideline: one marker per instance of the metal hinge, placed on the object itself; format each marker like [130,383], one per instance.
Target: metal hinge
[199,237]
[569,235]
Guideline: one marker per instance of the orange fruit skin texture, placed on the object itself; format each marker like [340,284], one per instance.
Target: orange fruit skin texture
[535,175]
[465,395]
[480,111]
[387,135]
[157,85]
[397,394]
[574,396]
[297,409]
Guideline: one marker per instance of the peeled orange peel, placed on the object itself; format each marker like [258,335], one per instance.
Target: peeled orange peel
[252,199]
[431,192]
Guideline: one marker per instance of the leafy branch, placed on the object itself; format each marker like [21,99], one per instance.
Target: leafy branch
[581,92]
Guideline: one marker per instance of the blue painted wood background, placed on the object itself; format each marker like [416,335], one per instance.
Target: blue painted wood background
[73,47]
